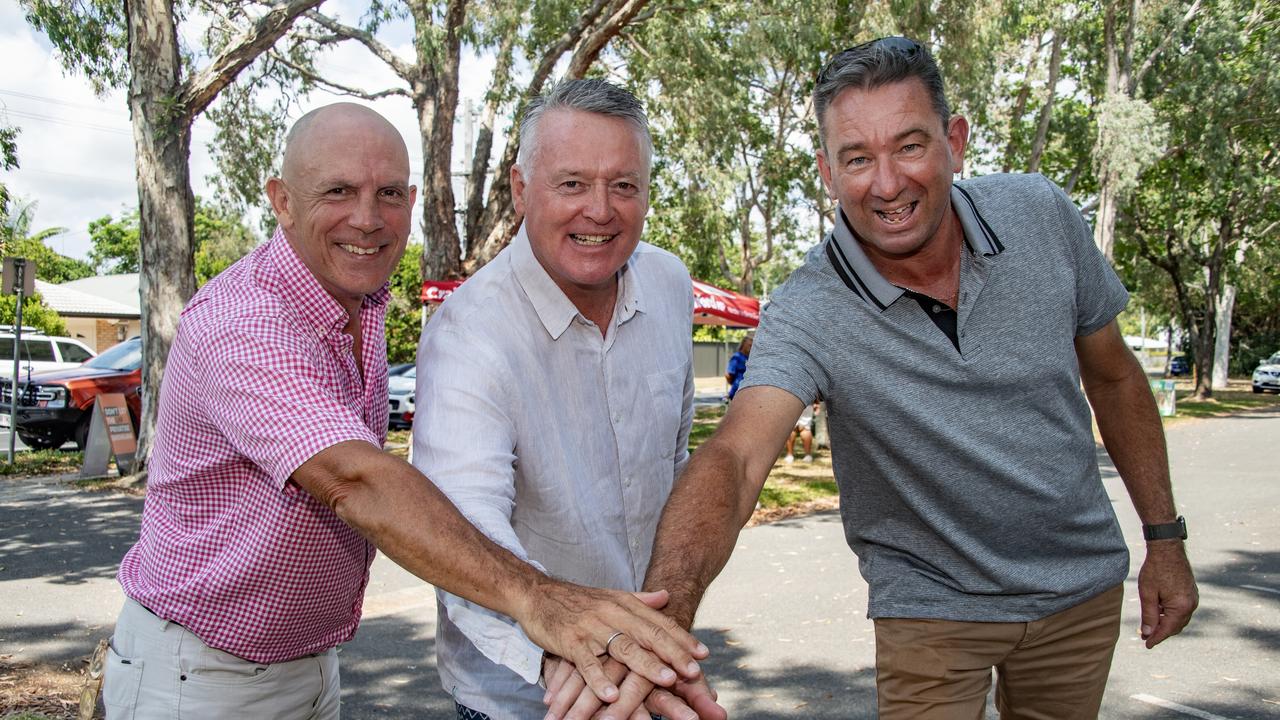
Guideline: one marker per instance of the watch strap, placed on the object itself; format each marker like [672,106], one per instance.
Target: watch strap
[1176,530]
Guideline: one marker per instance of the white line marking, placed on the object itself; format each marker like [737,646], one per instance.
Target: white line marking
[1170,705]
[1273,591]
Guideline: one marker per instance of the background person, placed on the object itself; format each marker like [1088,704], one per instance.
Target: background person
[268,488]
[737,365]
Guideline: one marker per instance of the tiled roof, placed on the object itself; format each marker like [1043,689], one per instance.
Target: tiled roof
[68,301]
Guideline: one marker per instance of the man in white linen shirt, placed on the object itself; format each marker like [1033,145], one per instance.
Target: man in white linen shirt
[555,387]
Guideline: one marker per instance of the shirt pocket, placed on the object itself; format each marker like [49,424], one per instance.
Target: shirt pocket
[666,405]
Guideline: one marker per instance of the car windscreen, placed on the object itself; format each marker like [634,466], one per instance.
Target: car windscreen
[125,356]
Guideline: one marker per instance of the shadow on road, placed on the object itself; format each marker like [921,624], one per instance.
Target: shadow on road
[67,536]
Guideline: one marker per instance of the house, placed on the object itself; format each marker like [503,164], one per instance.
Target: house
[99,311]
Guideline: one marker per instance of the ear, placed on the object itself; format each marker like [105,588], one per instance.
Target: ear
[517,190]
[825,171]
[281,203]
[957,141]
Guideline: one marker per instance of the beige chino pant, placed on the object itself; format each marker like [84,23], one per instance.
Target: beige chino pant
[158,670]
[1050,669]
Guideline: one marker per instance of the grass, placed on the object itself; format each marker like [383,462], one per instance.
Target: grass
[28,463]
[1224,402]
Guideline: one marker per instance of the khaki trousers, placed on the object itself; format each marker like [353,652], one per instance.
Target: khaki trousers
[1050,669]
[158,670]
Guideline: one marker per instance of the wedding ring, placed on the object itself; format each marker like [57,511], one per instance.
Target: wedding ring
[609,642]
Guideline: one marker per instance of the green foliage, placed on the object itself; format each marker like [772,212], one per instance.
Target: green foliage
[220,233]
[34,314]
[90,35]
[17,240]
[221,239]
[404,314]
[1130,138]
[115,244]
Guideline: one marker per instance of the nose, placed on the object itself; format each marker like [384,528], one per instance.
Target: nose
[365,216]
[598,207]
[887,181]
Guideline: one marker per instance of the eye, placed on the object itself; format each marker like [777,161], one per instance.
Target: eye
[626,188]
[336,191]
[858,161]
[393,193]
[912,148]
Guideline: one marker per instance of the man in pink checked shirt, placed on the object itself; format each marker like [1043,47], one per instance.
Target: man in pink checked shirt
[268,488]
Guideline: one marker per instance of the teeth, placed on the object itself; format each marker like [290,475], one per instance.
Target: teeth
[591,239]
[359,250]
[896,216]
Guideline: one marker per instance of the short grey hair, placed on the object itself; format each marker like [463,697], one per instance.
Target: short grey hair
[586,95]
[873,65]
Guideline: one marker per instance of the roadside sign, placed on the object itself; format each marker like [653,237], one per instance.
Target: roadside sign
[1166,398]
[12,275]
[110,433]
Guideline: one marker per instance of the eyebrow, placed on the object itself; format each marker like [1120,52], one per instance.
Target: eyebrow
[896,138]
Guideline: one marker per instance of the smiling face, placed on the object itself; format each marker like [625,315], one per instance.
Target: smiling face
[584,193]
[344,201]
[889,160]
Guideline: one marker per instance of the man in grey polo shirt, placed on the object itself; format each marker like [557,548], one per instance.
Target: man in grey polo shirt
[948,327]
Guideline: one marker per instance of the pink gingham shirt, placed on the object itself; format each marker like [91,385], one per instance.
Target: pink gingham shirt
[260,378]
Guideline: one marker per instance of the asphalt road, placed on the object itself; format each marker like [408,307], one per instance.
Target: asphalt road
[785,621]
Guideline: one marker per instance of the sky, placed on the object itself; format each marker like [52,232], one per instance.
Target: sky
[75,149]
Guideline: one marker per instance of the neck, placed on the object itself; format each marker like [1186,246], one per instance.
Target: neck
[933,270]
[595,304]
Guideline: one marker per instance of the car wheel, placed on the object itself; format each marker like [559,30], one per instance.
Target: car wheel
[81,433]
[36,442]
[1257,390]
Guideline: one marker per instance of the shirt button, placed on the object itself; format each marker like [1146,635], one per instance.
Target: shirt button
[937,308]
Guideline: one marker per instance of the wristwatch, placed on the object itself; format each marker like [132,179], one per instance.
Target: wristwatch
[1176,530]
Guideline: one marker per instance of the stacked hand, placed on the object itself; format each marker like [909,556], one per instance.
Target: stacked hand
[576,623]
[570,696]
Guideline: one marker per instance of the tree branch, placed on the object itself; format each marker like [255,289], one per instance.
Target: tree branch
[1164,43]
[335,86]
[382,52]
[198,91]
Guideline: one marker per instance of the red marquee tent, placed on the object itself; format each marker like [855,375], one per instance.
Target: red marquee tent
[711,305]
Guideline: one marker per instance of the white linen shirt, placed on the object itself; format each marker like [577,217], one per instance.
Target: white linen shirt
[559,444]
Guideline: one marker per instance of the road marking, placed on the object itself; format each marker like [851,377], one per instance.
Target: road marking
[1273,591]
[1170,705]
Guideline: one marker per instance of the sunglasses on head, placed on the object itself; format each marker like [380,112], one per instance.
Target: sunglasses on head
[895,44]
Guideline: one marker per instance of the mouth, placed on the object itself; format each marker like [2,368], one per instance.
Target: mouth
[590,240]
[357,250]
[897,216]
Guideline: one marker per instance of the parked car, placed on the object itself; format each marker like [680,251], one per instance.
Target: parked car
[57,405]
[38,352]
[399,369]
[1179,366]
[1267,376]
[400,391]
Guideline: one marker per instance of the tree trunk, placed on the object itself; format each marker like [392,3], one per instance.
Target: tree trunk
[1046,112]
[1222,343]
[162,142]
[441,247]
[1020,106]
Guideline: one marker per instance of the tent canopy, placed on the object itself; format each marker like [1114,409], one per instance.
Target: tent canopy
[711,305]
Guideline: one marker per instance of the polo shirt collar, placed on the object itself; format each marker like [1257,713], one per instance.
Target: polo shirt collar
[855,269]
[305,294]
[553,307]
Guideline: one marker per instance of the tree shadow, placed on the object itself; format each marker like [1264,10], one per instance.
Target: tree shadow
[389,671]
[66,536]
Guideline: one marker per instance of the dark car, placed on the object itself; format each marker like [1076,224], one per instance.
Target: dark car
[57,405]
[1179,366]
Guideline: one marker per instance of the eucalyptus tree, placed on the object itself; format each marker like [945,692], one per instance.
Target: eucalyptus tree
[728,86]
[135,45]
[1214,195]
[528,40]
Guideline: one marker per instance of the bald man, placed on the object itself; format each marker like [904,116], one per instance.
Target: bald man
[269,490]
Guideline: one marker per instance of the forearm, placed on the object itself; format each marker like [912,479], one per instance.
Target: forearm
[700,524]
[1134,438]
[414,523]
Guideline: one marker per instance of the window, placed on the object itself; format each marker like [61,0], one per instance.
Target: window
[73,353]
[38,350]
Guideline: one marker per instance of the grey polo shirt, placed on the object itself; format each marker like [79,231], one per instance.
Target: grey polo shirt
[969,486]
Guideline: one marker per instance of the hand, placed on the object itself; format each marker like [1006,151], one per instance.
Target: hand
[1166,590]
[575,622]
[568,698]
